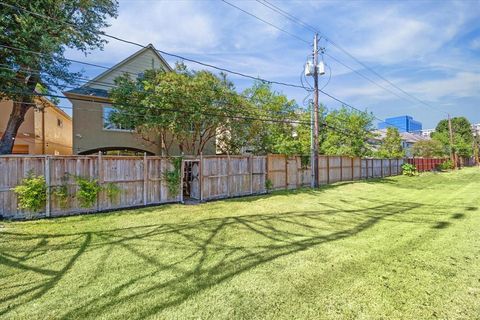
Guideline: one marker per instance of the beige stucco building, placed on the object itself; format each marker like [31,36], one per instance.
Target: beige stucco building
[92,132]
[47,129]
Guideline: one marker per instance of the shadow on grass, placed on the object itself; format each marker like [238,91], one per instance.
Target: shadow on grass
[212,251]
[441,225]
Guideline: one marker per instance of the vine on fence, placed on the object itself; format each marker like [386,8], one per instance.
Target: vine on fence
[32,192]
[88,190]
[268,185]
[112,191]
[173,177]
[304,161]
[61,192]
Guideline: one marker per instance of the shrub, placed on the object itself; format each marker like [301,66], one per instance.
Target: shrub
[268,185]
[446,165]
[409,170]
[32,193]
[61,192]
[88,190]
[112,191]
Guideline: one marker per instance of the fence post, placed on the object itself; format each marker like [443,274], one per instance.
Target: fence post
[328,169]
[182,172]
[250,167]
[352,169]
[286,172]
[341,168]
[266,173]
[200,171]
[390,167]
[100,176]
[228,174]
[366,167]
[47,182]
[145,178]
[381,166]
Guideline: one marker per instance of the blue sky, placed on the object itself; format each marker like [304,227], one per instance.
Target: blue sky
[430,49]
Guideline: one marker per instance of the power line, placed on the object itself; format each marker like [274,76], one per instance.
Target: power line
[115,86]
[163,52]
[265,21]
[234,117]
[291,17]
[184,58]
[312,28]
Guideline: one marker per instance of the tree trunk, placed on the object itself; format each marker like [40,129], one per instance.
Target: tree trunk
[16,119]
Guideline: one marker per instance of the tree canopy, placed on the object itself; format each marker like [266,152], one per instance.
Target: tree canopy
[391,146]
[33,47]
[185,108]
[277,136]
[462,136]
[429,148]
[348,133]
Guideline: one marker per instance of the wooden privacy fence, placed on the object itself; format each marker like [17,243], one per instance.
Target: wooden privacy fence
[140,180]
[289,173]
[426,164]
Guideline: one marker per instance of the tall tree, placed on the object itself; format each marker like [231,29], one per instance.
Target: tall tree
[278,136]
[348,133]
[33,47]
[184,108]
[391,146]
[462,136]
[429,148]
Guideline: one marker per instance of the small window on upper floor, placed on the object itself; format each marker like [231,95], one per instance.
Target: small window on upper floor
[59,123]
[108,124]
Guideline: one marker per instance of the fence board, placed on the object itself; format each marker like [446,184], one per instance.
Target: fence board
[141,179]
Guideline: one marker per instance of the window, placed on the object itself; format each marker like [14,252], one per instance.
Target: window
[108,124]
[59,123]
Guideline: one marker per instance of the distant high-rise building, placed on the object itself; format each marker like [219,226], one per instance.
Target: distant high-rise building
[402,123]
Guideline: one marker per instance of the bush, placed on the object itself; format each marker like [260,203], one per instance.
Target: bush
[87,192]
[446,165]
[32,193]
[409,170]
[112,191]
[268,185]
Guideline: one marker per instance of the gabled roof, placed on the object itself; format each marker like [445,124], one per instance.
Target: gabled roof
[125,61]
[91,87]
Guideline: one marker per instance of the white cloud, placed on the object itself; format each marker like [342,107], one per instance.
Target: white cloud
[475,44]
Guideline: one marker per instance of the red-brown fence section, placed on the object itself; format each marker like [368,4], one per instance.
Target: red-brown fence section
[426,164]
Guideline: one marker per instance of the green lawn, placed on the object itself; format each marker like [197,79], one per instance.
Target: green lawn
[398,248]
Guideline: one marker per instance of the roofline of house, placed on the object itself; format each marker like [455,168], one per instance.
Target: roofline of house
[86,98]
[124,61]
[53,106]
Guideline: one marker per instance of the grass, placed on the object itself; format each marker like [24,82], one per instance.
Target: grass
[398,248]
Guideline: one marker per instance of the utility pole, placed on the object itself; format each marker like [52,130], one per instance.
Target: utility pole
[452,154]
[315,111]
[312,149]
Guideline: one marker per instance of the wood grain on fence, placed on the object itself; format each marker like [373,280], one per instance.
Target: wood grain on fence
[141,179]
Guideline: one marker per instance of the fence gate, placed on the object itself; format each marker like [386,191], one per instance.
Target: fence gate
[191,180]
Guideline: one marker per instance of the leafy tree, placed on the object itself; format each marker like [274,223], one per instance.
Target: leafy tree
[429,148]
[348,133]
[73,24]
[462,136]
[391,146]
[188,108]
[279,136]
